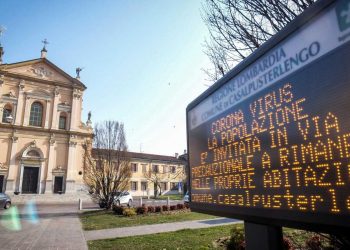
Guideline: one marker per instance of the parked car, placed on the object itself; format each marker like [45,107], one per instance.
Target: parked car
[187,198]
[123,198]
[5,201]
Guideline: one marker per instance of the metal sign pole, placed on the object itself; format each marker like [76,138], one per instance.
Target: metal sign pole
[262,237]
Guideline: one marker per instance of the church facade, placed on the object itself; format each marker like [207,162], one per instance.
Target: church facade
[41,133]
[42,138]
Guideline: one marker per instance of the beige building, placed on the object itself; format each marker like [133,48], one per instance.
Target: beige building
[150,174]
[42,137]
[147,169]
[41,133]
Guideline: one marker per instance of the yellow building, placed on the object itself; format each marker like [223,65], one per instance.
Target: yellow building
[41,133]
[149,169]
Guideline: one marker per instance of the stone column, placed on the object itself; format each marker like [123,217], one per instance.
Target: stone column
[47,114]
[1,113]
[14,111]
[20,100]
[50,165]
[1,83]
[75,105]
[54,123]
[69,117]
[26,111]
[72,121]
[11,178]
[71,167]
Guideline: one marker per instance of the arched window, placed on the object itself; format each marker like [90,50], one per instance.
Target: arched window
[62,121]
[33,153]
[36,114]
[6,113]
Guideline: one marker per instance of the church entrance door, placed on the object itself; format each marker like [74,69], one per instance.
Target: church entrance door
[30,180]
[58,187]
[1,182]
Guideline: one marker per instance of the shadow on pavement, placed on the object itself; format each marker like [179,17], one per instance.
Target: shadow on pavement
[218,221]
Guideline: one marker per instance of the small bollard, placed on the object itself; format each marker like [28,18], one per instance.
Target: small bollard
[141,202]
[80,204]
[168,201]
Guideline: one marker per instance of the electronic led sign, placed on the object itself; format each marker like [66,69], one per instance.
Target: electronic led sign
[272,143]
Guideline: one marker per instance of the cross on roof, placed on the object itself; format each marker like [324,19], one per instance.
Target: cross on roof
[45,42]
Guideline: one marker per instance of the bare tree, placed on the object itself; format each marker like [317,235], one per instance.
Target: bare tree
[238,27]
[156,176]
[107,165]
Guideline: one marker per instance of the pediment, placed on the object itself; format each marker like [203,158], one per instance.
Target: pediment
[40,70]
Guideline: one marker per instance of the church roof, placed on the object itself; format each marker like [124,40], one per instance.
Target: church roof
[148,157]
[153,157]
[60,75]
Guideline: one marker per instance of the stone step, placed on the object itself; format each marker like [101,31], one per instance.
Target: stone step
[49,198]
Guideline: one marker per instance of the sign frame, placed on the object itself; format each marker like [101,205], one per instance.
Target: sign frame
[281,218]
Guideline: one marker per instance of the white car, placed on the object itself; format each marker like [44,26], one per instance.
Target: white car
[187,198]
[123,198]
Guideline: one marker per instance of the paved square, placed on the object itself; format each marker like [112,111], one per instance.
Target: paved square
[58,227]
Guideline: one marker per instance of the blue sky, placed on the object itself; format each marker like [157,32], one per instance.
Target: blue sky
[142,59]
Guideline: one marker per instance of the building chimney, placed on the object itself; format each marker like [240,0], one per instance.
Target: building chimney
[176,155]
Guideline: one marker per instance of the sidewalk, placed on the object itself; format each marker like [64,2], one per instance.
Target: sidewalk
[56,227]
[156,228]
